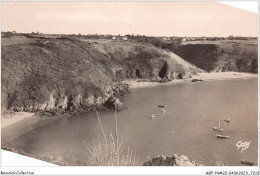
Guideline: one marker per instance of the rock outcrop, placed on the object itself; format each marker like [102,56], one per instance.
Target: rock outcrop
[175,160]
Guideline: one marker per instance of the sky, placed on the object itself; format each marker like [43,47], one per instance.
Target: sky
[196,19]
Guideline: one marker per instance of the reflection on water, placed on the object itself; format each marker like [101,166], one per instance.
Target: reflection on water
[192,109]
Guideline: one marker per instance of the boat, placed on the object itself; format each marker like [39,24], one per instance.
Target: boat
[222,136]
[228,119]
[163,110]
[196,80]
[218,128]
[160,106]
[153,116]
[247,162]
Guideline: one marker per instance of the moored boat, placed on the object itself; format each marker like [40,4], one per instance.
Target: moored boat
[228,119]
[196,80]
[218,128]
[222,136]
[163,110]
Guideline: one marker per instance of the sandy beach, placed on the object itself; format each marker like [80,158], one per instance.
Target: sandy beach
[9,119]
[133,84]
[19,124]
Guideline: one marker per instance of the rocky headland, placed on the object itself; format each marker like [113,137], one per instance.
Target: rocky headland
[69,75]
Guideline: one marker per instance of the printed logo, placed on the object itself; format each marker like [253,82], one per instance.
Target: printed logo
[243,145]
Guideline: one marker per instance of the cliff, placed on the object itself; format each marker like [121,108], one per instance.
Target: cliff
[71,74]
[222,55]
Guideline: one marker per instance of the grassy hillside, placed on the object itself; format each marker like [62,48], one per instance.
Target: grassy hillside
[71,74]
[226,55]
[142,60]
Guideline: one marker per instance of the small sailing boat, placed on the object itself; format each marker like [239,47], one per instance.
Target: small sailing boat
[163,110]
[153,116]
[247,162]
[228,119]
[218,128]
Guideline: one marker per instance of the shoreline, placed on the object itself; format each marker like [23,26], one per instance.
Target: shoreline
[27,119]
[136,84]
[14,117]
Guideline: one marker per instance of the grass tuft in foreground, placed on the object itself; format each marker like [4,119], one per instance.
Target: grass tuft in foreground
[106,150]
